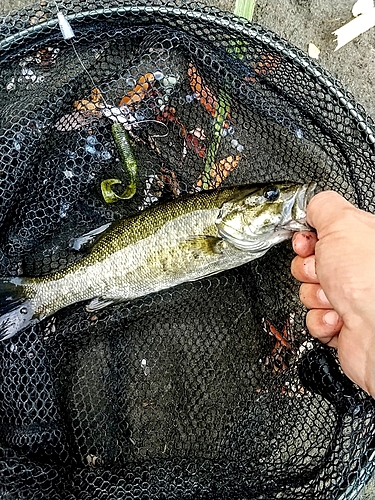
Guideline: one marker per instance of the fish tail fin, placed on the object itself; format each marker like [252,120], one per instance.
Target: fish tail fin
[16,309]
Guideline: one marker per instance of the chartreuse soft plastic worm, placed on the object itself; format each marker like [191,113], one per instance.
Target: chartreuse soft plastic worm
[129,162]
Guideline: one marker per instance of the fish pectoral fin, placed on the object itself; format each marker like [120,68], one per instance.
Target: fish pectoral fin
[99,303]
[86,241]
[206,244]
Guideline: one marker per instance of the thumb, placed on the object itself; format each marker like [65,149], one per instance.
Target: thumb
[325,208]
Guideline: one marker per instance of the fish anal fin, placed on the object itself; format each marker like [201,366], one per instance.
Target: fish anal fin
[99,303]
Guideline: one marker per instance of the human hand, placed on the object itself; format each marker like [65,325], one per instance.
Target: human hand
[337,269]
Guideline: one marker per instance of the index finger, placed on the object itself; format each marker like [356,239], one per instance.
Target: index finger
[304,242]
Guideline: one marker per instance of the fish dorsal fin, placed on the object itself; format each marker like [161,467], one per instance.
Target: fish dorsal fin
[86,241]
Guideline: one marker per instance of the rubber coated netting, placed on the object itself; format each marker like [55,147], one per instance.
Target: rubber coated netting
[213,389]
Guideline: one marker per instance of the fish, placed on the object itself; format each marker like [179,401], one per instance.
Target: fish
[186,239]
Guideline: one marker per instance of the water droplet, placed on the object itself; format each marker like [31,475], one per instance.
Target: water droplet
[91,140]
[68,174]
[27,73]
[11,85]
[64,207]
[139,116]
[105,155]
[158,75]
[132,82]
[71,154]
[299,133]
[169,81]
[91,150]
[23,310]
[145,368]
[19,138]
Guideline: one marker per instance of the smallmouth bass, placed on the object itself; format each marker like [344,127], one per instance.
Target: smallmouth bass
[186,239]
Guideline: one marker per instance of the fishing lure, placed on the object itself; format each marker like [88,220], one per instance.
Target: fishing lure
[219,108]
[202,92]
[263,67]
[283,341]
[93,106]
[139,92]
[129,162]
[218,173]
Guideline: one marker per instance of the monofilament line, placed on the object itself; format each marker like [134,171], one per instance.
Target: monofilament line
[68,35]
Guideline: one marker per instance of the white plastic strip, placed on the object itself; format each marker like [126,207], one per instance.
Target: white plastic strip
[354,28]
[362,6]
[65,27]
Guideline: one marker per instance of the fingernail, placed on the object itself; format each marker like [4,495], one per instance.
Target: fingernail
[309,266]
[322,296]
[331,318]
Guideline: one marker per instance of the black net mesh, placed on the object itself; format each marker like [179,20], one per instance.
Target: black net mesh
[213,389]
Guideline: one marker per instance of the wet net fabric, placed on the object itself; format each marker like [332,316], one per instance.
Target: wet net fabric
[213,389]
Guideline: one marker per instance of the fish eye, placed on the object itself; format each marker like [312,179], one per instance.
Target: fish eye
[271,193]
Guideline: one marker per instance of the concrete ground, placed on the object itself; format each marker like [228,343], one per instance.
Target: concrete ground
[301,22]
[304,21]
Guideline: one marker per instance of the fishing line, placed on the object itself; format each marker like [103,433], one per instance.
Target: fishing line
[158,123]
[68,35]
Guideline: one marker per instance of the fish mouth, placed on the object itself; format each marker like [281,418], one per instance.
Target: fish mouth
[309,193]
[295,215]
[302,198]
